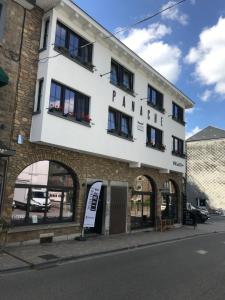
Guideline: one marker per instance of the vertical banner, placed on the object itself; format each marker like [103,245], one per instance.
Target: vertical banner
[92,204]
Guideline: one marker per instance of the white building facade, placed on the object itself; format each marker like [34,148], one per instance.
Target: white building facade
[113,118]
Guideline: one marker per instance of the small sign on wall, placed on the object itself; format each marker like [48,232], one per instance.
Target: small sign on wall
[177,164]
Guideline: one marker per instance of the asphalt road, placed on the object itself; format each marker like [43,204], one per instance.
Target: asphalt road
[189,269]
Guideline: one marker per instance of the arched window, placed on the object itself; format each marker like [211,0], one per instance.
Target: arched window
[44,193]
[142,203]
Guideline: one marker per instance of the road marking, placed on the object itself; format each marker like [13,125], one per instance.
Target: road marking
[202,252]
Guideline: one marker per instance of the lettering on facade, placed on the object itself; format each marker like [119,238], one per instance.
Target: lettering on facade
[124,101]
[140,126]
[175,163]
[113,96]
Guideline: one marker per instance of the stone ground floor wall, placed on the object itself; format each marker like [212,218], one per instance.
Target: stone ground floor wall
[87,169]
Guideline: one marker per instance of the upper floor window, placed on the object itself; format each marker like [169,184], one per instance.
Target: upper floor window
[45,38]
[178,113]
[155,138]
[178,147]
[121,76]
[73,45]
[155,98]
[119,123]
[69,103]
[37,106]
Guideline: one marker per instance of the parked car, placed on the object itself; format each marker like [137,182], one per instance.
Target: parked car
[37,201]
[202,214]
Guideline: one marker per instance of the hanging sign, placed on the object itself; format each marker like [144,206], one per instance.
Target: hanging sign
[92,204]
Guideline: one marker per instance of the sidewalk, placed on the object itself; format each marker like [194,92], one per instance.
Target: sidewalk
[44,255]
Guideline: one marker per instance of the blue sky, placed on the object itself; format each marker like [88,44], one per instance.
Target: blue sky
[185,44]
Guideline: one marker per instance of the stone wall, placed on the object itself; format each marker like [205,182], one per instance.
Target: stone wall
[205,172]
[86,168]
[9,61]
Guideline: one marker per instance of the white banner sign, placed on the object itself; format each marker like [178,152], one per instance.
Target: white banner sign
[92,204]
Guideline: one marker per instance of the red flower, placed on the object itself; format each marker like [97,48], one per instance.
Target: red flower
[87,118]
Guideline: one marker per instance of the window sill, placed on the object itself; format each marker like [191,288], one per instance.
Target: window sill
[42,50]
[59,115]
[178,155]
[28,227]
[130,92]
[162,110]
[38,112]
[120,136]
[155,148]
[179,121]
[65,53]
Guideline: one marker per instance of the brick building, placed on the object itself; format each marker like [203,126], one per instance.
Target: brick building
[205,168]
[14,19]
[87,108]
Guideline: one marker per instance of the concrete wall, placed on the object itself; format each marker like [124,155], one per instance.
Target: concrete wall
[56,131]
[205,172]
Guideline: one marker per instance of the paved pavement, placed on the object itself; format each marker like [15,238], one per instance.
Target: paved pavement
[42,255]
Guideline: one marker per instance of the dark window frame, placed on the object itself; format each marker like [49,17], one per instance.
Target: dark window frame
[119,82]
[159,99]
[84,55]
[179,115]
[180,147]
[119,117]
[37,109]
[158,140]
[81,105]
[45,34]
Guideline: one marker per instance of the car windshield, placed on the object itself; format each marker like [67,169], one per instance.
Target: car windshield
[38,195]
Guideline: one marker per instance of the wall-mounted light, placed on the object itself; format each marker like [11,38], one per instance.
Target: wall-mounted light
[101,75]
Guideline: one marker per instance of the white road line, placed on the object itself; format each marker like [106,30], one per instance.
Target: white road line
[202,252]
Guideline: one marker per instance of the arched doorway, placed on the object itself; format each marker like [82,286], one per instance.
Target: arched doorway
[169,205]
[143,203]
[44,193]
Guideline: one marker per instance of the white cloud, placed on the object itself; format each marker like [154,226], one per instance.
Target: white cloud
[206,95]
[190,110]
[209,57]
[174,13]
[193,2]
[147,43]
[192,132]
[137,39]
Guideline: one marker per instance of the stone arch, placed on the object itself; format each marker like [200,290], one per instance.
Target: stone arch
[19,164]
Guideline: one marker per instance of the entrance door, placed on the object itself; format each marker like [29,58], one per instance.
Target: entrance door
[170,207]
[142,210]
[118,209]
